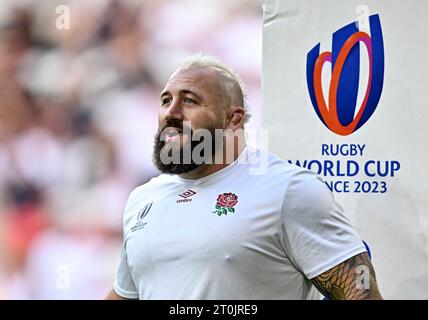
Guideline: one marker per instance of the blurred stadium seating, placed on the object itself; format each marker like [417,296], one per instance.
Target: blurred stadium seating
[77,118]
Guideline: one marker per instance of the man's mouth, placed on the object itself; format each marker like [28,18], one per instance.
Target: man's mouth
[172,134]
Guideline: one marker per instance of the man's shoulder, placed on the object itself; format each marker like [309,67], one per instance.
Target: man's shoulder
[278,167]
[143,195]
[287,177]
[154,185]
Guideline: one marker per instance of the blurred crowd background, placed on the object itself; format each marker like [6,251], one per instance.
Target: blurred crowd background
[78,113]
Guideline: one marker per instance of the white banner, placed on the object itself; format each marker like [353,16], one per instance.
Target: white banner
[344,94]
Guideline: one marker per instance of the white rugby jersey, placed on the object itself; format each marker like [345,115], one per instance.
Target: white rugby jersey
[233,234]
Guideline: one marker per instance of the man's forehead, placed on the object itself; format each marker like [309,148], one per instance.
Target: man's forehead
[204,78]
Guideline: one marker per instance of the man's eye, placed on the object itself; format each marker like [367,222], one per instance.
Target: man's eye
[165,101]
[188,100]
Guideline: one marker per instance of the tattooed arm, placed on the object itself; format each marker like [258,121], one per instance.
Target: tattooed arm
[353,279]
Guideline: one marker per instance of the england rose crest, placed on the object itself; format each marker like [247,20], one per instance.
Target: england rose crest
[226,203]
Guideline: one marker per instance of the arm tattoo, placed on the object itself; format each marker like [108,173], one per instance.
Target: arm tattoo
[343,282]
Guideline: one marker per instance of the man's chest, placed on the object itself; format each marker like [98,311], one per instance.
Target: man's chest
[203,224]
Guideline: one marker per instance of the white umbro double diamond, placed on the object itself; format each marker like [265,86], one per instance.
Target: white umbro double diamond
[185,195]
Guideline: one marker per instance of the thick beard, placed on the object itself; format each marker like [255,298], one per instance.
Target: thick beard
[174,168]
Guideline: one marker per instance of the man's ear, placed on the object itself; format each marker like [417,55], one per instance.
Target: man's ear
[235,119]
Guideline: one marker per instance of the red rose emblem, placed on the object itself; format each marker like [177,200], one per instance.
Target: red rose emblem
[227,200]
[225,203]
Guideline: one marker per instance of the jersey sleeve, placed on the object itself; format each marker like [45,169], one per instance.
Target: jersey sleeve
[124,285]
[316,234]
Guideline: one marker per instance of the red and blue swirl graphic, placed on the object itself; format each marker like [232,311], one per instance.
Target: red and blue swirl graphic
[339,114]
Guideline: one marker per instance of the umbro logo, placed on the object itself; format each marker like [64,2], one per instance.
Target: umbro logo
[185,195]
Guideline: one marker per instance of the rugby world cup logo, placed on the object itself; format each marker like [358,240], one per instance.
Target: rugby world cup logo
[339,113]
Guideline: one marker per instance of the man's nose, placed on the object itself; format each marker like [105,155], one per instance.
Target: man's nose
[174,111]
